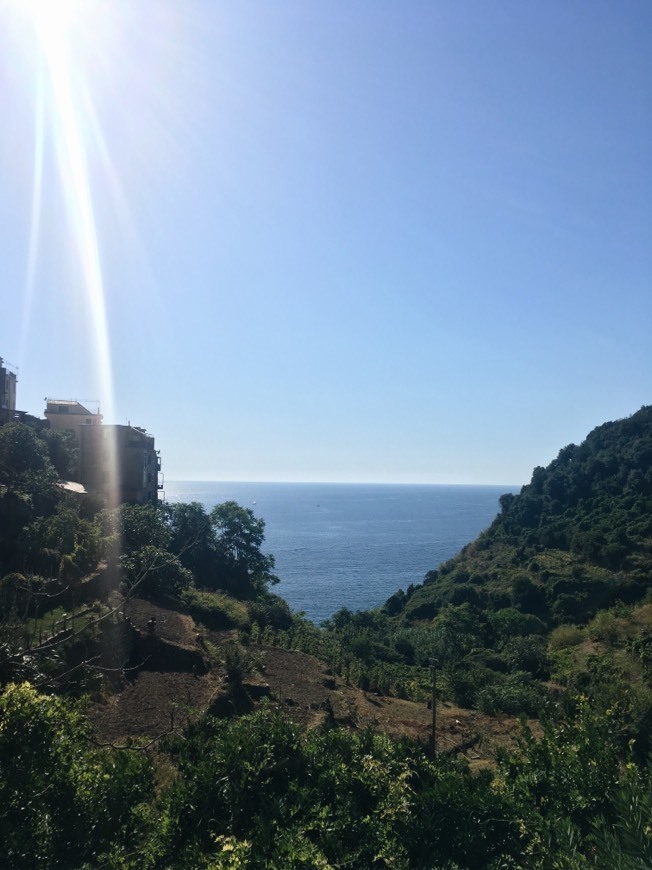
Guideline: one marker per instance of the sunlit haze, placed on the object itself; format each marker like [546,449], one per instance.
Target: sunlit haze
[330,242]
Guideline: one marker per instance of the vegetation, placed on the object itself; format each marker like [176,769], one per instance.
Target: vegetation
[257,791]
[52,542]
[574,544]
[64,802]
[577,539]
[547,614]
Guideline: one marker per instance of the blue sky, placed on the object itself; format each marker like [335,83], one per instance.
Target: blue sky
[344,241]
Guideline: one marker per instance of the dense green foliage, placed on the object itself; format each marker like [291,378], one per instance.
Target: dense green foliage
[287,798]
[27,488]
[576,539]
[259,792]
[64,802]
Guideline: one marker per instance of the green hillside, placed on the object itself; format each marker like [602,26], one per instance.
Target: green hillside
[552,599]
[576,539]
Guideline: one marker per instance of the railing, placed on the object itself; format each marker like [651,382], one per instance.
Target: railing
[61,628]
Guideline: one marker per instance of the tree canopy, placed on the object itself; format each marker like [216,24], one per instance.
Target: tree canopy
[238,538]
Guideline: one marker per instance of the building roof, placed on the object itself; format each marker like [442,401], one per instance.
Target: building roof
[72,486]
[78,407]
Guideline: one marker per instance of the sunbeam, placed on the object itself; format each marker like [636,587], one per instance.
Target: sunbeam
[53,23]
[35,220]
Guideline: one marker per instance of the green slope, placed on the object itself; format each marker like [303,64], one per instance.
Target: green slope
[576,539]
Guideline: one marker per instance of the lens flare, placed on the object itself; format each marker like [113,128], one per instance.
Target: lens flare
[113,83]
[37,198]
[49,16]
[58,90]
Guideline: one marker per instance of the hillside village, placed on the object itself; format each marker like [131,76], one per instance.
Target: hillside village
[119,462]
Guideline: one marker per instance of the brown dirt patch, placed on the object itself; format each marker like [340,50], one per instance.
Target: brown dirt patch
[307,690]
[168,695]
[153,704]
[171,625]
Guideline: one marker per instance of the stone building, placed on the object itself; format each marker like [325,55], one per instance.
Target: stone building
[120,462]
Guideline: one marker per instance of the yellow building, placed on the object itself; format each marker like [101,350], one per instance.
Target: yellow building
[120,462]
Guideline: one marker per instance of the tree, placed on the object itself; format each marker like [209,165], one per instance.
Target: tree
[239,535]
[27,486]
[151,571]
[24,459]
[47,541]
[192,538]
[63,801]
[135,526]
[63,451]
[456,630]
[570,782]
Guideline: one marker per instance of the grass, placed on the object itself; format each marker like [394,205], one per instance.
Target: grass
[215,609]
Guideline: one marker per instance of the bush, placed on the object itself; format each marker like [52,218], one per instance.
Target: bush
[565,636]
[63,801]
[271,610]
[606,627]
[509,623]
[215,609]
[237,663]
[152,572]
[515,694]
[466,680]
[258,789]
[528,654]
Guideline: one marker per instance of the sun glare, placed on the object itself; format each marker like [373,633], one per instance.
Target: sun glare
[104,78]
[61,102]
[49,16]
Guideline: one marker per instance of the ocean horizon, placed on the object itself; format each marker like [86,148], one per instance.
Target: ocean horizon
[353,544]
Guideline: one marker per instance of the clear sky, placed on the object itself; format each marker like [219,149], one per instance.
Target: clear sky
[342,241]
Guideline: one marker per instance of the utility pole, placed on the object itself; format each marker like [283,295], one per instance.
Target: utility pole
[433,742]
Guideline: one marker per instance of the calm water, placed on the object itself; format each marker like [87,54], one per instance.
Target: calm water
[353,545]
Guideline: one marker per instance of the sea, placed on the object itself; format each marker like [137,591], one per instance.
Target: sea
[353,545]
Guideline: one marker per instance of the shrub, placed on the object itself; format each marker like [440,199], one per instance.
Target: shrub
[515,694]
[237,663]
[271,610]
[565,636]
[528,654]
[509,623]
[466,680]
[606,627]
[151,571]
[63,801]
[275,797]
[215,610]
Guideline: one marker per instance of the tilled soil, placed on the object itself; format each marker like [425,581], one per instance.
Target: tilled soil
[152,705]
[310,694]
[153,702]
[170,625]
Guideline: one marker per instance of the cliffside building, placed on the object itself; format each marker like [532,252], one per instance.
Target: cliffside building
[7,394]
[114,460]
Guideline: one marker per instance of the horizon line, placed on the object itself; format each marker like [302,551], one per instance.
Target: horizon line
[337,482]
